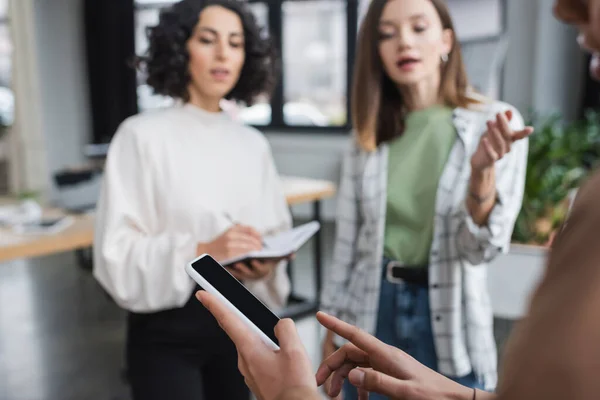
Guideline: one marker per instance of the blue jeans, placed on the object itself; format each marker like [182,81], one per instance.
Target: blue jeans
[404,322]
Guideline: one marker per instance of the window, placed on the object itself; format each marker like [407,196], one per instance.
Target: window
[261,13]
[314,58]
[316,39]
[6,94]
[146,15]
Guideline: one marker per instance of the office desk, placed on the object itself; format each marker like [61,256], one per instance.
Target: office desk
[79,235]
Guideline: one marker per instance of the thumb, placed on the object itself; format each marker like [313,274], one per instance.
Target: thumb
[287,334]
[374,381]
[509,115]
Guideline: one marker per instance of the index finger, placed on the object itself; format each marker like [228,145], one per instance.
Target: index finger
[233,326]
[359,338]
[522,134]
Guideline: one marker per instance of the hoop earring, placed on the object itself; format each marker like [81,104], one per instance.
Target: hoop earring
[444,58]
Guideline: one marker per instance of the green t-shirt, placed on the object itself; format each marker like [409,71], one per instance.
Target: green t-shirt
[416,161]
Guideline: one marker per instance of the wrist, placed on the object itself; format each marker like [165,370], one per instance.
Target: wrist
[481,174]
[483,198]
[298,393]
[464,393]
[482,395]
[482,182]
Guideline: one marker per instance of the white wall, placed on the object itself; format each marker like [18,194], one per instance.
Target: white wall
[466,15]
[63,81]
[544,65]
[520,58]
[310,155]
[559,70]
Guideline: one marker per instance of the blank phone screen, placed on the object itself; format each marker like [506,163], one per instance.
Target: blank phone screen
[238,295]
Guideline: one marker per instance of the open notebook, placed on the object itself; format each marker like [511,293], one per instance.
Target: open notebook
[280,245]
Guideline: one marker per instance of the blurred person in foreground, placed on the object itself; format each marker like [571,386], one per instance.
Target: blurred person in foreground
[553,354]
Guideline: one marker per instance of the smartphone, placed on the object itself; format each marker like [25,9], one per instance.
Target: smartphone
[216,280]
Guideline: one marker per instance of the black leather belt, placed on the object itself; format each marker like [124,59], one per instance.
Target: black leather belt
[400,273]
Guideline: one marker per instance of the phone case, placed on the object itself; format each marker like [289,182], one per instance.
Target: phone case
[212,290]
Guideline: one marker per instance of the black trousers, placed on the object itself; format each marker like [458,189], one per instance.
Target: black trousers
[182,354]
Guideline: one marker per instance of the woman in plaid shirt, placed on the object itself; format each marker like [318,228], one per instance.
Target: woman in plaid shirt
[430,190]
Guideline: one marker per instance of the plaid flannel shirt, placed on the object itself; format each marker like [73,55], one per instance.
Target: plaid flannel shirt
[461,312]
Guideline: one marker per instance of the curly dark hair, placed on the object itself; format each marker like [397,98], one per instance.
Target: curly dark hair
[166,61]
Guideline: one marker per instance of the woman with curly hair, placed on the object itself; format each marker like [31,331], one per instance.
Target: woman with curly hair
[184,181]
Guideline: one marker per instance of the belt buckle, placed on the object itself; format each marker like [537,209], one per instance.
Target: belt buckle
[389,276]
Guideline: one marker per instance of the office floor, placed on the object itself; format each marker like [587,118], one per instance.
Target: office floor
[62,338]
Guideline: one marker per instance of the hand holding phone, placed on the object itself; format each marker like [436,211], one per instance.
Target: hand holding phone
[269,374]
[217,281]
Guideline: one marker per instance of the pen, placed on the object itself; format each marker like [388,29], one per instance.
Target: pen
[230,219]
[235,223]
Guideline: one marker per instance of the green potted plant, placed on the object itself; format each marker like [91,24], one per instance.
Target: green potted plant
[560,157]
[561,154]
